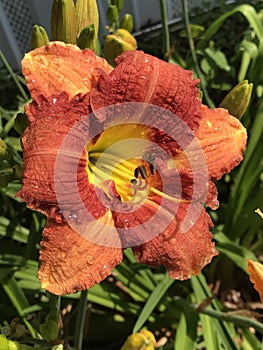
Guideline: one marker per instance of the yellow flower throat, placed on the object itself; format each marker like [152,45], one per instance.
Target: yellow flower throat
[134,177]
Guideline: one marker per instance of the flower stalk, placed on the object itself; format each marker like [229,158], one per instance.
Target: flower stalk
[165,27]
[81,317]
[193,54]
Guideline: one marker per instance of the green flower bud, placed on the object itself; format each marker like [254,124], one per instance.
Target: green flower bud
[127,22]
[87,39]
[20,123]
[39,37]
[4,154]
[237,100]
[112,14]
[87,14]
[63,21]
[118,4]
[6,344]
[118,42]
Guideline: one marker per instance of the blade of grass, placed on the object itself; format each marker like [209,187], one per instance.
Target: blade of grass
[208,330]
[238,254]
[186,331]
[165,27]
[81,316]
[19,300]
[246,10]
[13,75]
[193,54]
[216,333]
[152,302]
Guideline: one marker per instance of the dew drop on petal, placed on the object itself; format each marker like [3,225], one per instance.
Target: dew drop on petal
[90,259]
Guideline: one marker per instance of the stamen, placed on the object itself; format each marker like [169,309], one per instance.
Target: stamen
[136,172]
[152,169]
[140,170]
[166,196]
[143,172]
[134,181]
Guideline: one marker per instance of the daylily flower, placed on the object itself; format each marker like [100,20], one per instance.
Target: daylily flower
[67,85]
[255,269]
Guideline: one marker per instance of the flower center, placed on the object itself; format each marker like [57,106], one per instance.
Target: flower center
[117,164]
[114,164]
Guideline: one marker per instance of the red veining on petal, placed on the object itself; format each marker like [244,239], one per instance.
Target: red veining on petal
[139,77]
[183,254]
[50,119]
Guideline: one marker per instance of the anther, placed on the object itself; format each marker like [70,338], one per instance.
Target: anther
[143,172]
[152,169]
[136,172]
[140,170]
[134,181]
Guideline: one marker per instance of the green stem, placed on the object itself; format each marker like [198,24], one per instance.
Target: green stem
[8,126]
[13,75]
[54,304]
[81,316]
[193,54]
[242,321]
[165,27]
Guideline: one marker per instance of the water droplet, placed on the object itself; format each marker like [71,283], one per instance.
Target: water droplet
[126,223]
[90,259]
[54,100]
[105,266]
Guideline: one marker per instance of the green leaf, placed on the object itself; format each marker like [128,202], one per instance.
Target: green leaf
[218,57]
[238,254]
[152,302]
[186,331]
[246,10]
[19,233]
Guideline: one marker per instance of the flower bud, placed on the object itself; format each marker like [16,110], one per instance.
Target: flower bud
[86,15]
[112,14]
[237,100]
[6,344]
[39,37]
[63,21]
[118,4]
[127,22]
[4,154]
[144,340]
[118,42]
[86,38]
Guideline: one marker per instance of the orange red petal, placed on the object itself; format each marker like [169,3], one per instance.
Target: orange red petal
[50,119]
[222,138]
[255,269]
[59,67]
[69,262]
[182,253]
[139,77]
